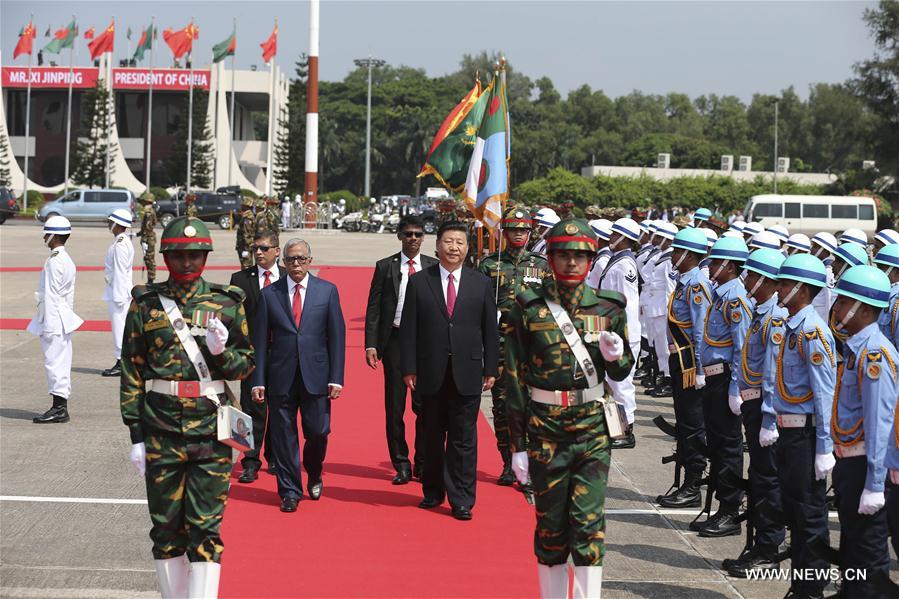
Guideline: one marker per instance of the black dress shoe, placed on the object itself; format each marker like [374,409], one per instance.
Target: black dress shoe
[629,441]
[248,475]
[116,370]
[289,504]
[402,477]
[271,468]
[507,477]
[54,415]
[416,471]
[315,490]
[640,373]
[429,502]
[721,525]
[663,389]
[462,513]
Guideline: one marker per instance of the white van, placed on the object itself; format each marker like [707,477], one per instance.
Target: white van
[813,214]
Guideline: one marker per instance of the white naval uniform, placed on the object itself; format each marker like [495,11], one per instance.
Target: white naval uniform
[55,320]
[285,215]
[539,247]
[659,284]
[621,275]
[117,270]
[644,257]
[598,267]
[825,298]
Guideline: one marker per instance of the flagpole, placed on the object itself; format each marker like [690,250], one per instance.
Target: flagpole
[151,33]
[311,165]
[28,118]
[190,104]
[109,97]
[271,120]
[231,156]
[69,108]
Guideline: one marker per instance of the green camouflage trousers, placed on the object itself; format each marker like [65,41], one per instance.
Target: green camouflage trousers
[187,488]
[150,257]
[500,418]
[568,450]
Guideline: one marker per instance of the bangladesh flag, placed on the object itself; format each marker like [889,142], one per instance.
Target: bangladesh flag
[63,38]
[487,185]
[145,43]
[224,49]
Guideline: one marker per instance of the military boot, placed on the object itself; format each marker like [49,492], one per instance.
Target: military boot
[759,557]
[688,495]
[116,369]
[59,413]
[663,389]
[507,477]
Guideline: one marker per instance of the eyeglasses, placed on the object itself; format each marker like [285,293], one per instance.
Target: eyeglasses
[411,234]
[263,248]
[297,259]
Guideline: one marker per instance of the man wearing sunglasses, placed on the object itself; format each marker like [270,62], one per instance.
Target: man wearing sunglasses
[382,328]
[252,281]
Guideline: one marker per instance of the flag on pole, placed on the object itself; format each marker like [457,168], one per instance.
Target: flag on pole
[26,41]
[487,185]
[47,33]
[226,48]
[89,34]
[128,34]
[270,46]
[63,38]
[103,42]
[451,148]
[145,43]
[181,41]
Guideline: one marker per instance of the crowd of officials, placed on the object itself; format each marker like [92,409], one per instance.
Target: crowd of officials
[784,340]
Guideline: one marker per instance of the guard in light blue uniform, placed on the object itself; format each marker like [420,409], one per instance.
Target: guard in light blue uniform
[797,394]
[861,424]
[761,279]
[725,328]
[686,313]
[892,465]
[887,260]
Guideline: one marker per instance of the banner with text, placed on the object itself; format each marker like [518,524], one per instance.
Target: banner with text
[50,77]
[163,79]
[86,77]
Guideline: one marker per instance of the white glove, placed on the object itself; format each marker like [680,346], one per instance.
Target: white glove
[824,463]
[520,466]
[138,457]
[244,254]
[700,381]
[768,437]
[871,502]
[736,404]
[144,246]
[611,346]
[216,336]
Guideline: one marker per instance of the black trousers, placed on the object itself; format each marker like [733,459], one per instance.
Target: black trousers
[863,539]
[262,434]
[451,443]
[892,508]
[804,502]
[315,415]
[762,478]
[689,421]
[724,436]
[395,408]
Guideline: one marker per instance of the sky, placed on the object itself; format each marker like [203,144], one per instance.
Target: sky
[724,47]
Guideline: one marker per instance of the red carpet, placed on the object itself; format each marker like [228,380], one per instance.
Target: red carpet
[366,537]
[89,326]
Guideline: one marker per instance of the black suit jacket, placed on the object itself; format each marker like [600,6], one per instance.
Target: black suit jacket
[383,296]
[248,280]
[428,335]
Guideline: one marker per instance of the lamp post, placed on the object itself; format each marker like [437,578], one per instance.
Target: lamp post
[368,63]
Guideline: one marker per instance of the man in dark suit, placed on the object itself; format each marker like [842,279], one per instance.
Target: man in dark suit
[450,351]
[252,280]
[300,337]
[382,342]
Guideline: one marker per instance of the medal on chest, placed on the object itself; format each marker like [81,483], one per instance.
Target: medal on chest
[199,321]
[593,326]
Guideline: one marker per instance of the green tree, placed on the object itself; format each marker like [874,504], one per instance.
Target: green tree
[90,160]
[280,157]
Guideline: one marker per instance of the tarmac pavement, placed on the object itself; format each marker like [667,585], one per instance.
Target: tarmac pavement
[73,522]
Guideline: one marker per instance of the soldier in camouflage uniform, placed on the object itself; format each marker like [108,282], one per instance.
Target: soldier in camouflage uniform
[172,423]
[556,418]
[273,215]
[246,232]
[147,234]
[190,205]
[262,219]
[512,270]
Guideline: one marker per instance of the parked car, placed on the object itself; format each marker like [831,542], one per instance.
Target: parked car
[211,206]
[88,204]
[8,205]
[430,220]
[813,214]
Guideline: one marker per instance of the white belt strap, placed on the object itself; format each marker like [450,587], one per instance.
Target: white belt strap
[565,398]
[747,394]
[714,369]
[190,345]
[794,420]
[574,342]
[849,451]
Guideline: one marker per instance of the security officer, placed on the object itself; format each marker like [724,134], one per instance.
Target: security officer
[660,282]
[262,218]
[846,255]
[246,232]
[856,236]
[190,206]
[883,238]
[887,260]
[797,392]
[55,320]
[701,216]
[117,274]
[513,270]
[798,243]
[546,219]
[563,338]
[621,275]
[603,229]
[648,367]
[823,247]
[861,425]
[686,313]
[272,218]
[761,280]
[148,234]
[725,329]
[168,404]
[892,464]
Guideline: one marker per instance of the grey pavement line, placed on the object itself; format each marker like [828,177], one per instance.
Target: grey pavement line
[107,500]
[74,568]
[66,592]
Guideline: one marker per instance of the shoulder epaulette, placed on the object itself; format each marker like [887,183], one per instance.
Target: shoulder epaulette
[528,296]
[612,296]
[231,290]
[139,291]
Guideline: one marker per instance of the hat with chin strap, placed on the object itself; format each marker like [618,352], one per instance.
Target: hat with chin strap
[571,234]
[57,225]
[628,228]
[185,233]
[691,239]
[803,268]
[800,242]
[854,235]
[765,262]
[517,217]
[887,236]
[866,284]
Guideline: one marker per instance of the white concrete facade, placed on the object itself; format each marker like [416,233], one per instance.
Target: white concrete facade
[664,174]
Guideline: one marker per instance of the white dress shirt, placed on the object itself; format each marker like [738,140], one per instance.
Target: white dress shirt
[404,279]
[444,279]
[275,275]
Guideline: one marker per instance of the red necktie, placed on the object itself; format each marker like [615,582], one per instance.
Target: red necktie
[297,305]
[450,295]
[411,268]
[268,280]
